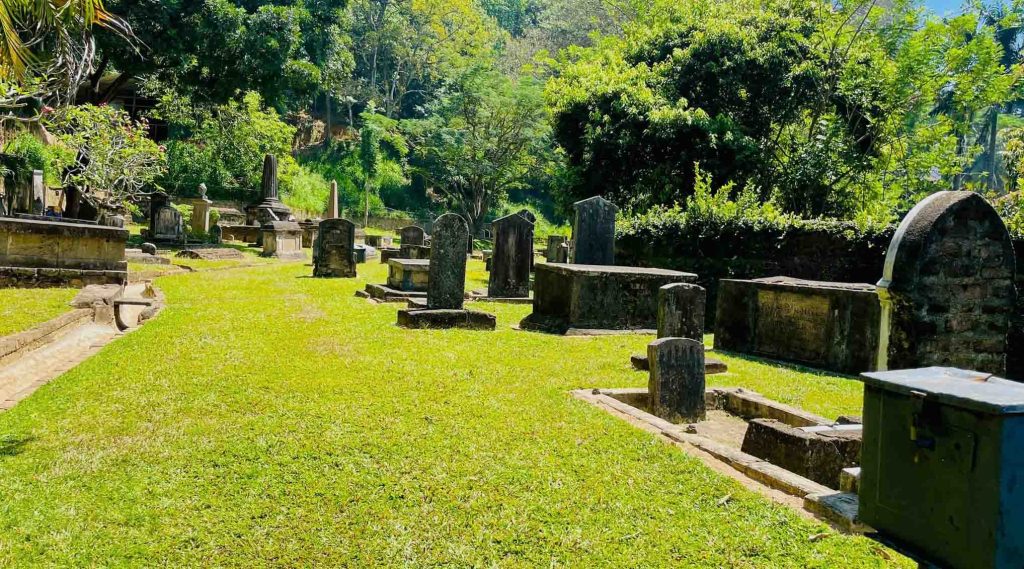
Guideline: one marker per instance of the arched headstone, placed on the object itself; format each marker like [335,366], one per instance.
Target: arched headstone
[593,232]
[412,235]
[512,257]
[948,292]
[447,286]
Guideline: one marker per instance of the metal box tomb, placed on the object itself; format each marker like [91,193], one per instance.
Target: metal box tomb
[942,465]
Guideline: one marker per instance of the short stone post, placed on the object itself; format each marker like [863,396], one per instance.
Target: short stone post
[201,216]
[554,252]
[681,311]
[676,384]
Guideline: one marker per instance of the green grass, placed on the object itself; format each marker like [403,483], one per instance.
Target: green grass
[21,309]
[270,419]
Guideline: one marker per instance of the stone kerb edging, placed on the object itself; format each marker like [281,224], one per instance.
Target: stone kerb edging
[14,346]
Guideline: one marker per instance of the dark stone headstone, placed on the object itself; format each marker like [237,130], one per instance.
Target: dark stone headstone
[335,252]
[217,234]
[447,286]
[676,384]
[149,248]
[681,311]
[412,235]
[511,258]
[167,225]
[947,293]
[558,248]
[527,215]
[593,232]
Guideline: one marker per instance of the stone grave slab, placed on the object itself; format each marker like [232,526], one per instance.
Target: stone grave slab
[830,326]
[599,298]
[211,254]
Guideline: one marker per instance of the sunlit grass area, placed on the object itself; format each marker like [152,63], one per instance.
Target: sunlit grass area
[266,418]
[21,308]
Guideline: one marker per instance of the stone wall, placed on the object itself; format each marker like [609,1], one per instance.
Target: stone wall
[50,253]
[1015,353]
[821,252]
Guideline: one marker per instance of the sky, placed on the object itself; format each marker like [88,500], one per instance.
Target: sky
[943,6]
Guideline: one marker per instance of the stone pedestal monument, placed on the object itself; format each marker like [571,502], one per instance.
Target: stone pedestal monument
[201,212]
[270,207]
[446,288]
[335,252]
[593,232]
[282,240]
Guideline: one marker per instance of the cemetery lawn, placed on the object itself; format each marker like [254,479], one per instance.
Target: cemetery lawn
[270,419]
[24,308]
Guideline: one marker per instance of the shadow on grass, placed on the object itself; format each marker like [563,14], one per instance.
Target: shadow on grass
[12,446]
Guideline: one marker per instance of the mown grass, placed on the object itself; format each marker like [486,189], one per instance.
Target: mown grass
[271,419]
[21,309]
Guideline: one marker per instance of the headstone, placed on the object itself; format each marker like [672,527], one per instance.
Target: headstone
[527,215]
[447,286]
[947,293]
[681,311]
[335,252]
[511,258]
[217,234]
[332,202]
[165,223]
[149,248]
[412,235]
[593,232]
[676,384]
[557,249]
[157,200]
[38,193]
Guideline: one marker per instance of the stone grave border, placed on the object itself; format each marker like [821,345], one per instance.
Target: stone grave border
[810,498]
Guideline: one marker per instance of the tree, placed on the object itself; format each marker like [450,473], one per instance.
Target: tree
[479,141]
[115,157]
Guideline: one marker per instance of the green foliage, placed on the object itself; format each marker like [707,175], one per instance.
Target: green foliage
[479,141]
[224,147]
[856,112]
[307,192]
[115,154]
[51,159]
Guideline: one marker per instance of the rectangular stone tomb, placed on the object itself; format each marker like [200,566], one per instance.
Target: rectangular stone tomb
[570,298]
[241,233]
[407,278]
[831,326]
[52,253]
[282,240]
[414,252]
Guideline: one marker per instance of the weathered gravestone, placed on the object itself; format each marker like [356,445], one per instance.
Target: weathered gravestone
[335,252]
[165,223]
[511,258]
[593,232]
[681,311]
[412,235]
[947,292]
[446,288]
[558,249]
[676,384]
